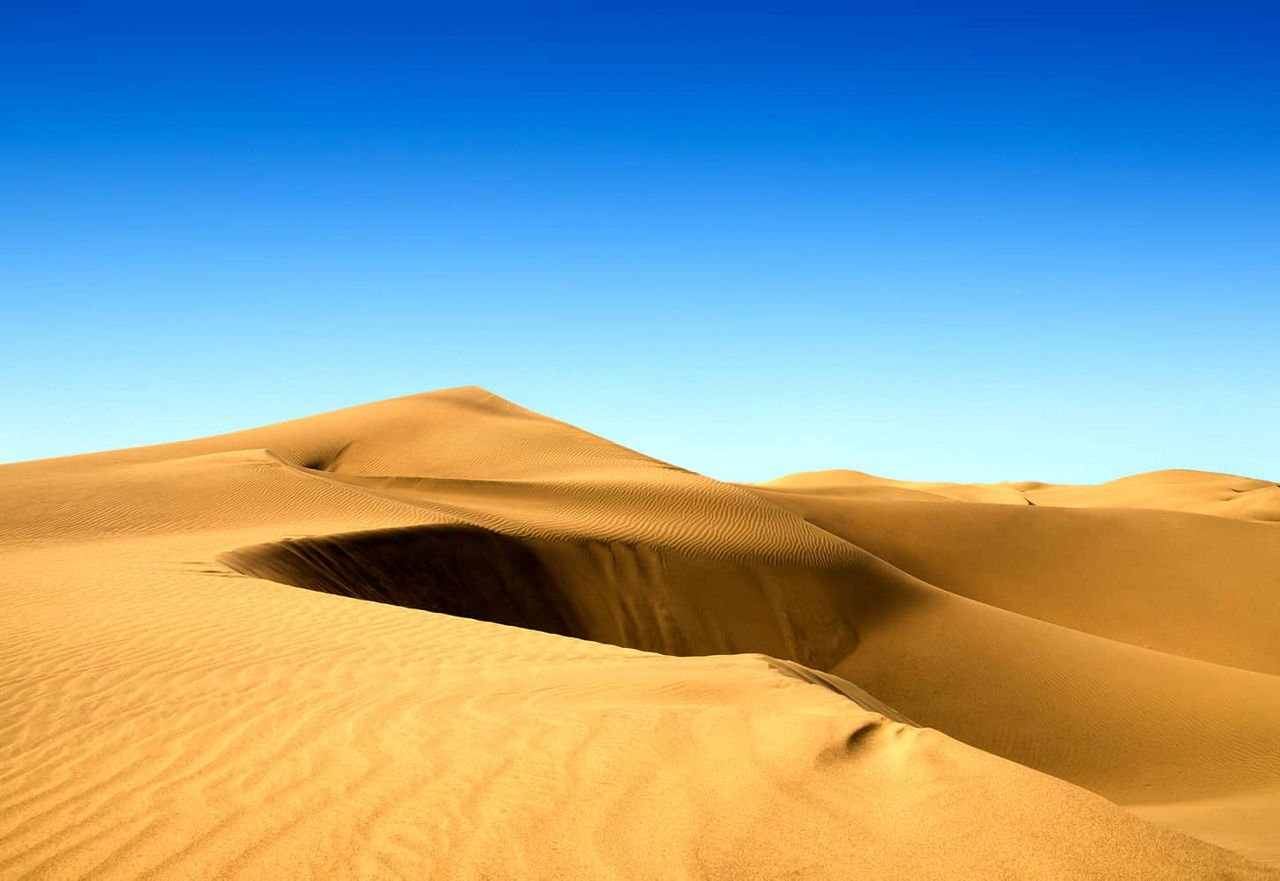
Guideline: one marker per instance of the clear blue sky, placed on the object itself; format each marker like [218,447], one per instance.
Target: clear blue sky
[975,244]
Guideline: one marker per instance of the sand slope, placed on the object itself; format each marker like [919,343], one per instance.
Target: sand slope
[686,678]
[1199,492]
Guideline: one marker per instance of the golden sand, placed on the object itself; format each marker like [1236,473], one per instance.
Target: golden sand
[582,662]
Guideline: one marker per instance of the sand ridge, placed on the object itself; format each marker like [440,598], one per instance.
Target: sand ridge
[1200,492]
[703,680]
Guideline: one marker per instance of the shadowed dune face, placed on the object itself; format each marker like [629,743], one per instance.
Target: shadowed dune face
[631,595]
[455,570]
[156,709]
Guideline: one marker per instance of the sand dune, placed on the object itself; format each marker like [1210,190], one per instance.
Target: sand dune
[1199,492]
[521,650]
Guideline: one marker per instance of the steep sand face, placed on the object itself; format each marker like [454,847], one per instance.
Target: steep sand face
[176,706]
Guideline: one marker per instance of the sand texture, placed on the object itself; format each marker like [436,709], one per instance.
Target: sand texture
[443,636]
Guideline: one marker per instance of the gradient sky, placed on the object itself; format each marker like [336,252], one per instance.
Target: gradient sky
[973,245]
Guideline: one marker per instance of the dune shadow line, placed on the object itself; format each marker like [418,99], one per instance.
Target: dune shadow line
[457,569]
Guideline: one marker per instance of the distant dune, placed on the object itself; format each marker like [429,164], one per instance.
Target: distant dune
[1197,492]
[445,636]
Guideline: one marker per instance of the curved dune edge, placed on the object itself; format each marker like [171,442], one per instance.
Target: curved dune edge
[168,716]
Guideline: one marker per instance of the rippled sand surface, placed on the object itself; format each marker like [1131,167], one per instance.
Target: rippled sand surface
[444,636]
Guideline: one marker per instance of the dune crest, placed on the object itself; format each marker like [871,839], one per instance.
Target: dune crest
[522,650]
[1196,492]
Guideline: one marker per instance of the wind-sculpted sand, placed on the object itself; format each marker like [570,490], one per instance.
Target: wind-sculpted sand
[443,636]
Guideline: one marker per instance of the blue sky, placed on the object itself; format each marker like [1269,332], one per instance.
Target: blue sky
[964,242]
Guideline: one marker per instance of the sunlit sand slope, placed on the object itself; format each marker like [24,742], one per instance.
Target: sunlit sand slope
[273,654]
[1198,492]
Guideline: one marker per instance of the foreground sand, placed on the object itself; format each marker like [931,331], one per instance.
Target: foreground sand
[1097,667]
